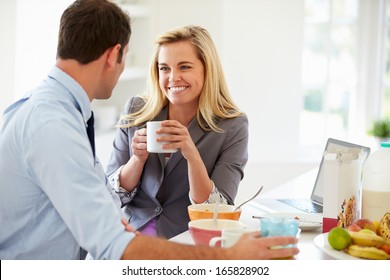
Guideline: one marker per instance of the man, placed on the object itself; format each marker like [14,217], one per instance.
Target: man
[55,200]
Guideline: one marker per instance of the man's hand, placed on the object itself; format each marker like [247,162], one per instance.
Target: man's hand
[129,228]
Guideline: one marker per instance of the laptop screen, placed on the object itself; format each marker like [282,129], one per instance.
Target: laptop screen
[333,146]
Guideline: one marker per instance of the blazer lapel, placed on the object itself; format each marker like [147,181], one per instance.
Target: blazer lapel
[163,115]
[156,163]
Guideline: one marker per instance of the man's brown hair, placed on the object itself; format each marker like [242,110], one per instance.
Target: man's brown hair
[89,27]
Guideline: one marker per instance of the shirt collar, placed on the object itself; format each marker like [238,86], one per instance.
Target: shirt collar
[74,89]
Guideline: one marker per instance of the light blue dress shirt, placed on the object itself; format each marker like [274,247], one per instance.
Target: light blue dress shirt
[54,196]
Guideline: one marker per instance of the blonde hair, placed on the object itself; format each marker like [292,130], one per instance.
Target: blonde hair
[215,102]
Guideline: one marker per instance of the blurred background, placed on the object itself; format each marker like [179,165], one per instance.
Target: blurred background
[302,70]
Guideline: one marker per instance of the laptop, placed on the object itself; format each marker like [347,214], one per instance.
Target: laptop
[314,204]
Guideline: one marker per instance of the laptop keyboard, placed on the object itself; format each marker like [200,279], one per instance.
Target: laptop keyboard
[304,205]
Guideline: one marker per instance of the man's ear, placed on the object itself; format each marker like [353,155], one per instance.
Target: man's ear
[112,55]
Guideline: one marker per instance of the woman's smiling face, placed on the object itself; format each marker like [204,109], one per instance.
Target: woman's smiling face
[181,73]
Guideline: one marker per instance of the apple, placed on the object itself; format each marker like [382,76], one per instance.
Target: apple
[386,248]
[354,227]
[365,224]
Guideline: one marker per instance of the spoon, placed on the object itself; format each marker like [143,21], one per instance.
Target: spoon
[216,212]
[254,196]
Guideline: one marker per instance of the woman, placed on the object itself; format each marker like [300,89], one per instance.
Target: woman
[187,90]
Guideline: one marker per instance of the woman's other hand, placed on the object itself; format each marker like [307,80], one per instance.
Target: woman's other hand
[179,138]
[138,145]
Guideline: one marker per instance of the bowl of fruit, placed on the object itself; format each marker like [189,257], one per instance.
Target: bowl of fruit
[364,239]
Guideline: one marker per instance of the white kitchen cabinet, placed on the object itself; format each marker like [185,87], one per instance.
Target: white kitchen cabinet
[141,39]
[133,79]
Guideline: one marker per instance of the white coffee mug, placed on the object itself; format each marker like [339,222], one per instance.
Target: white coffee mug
[152,145]
[228,237]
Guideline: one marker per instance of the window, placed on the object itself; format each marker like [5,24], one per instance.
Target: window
[346,69]
[386,76]
[329,69]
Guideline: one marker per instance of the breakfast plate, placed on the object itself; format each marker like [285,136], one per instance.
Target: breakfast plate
[309,226]
[307,222]
[321,241]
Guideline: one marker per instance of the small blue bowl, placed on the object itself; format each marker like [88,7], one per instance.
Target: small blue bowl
[278,226]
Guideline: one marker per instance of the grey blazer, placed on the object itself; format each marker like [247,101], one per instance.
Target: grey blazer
[163,192]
